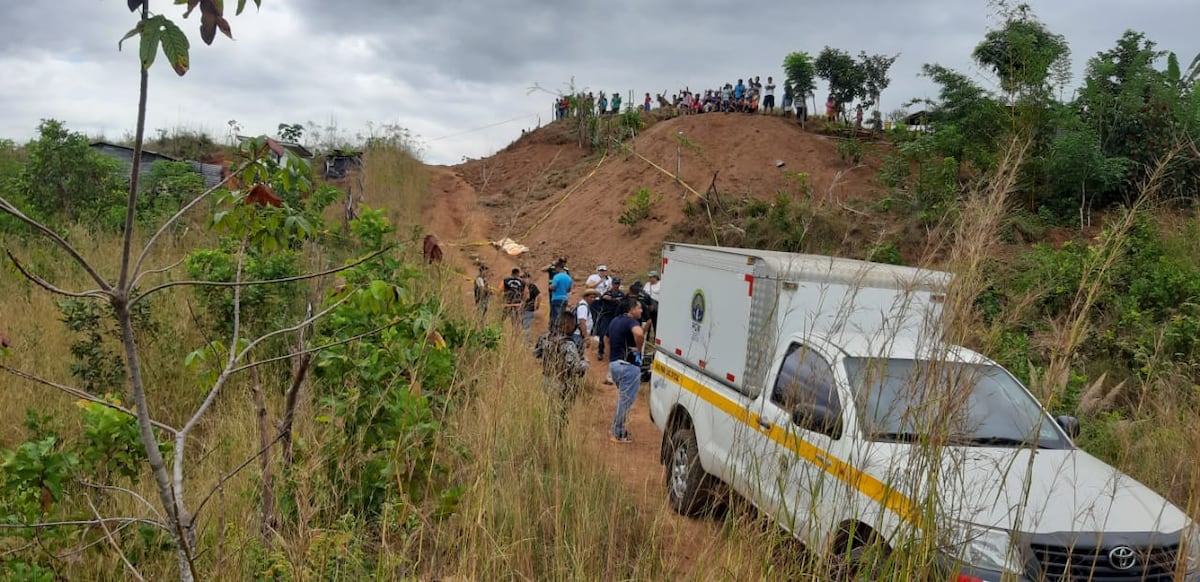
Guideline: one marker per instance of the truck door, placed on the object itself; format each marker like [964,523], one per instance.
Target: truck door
[800,423]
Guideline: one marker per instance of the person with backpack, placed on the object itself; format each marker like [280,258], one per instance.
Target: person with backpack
[563,363]
[514,296]
[583,316]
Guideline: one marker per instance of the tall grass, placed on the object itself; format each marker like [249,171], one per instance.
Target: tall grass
[539,503]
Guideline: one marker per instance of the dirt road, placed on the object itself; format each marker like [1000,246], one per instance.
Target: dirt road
[452,213]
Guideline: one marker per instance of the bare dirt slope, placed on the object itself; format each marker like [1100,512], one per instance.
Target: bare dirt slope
[523,187]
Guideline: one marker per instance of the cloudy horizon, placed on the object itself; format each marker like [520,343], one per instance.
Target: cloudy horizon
[466,77]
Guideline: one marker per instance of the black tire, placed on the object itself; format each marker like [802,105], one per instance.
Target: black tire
[865,556]
[687,483]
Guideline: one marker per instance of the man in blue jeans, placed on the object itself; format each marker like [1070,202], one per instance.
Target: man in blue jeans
[560,289]
[625,338]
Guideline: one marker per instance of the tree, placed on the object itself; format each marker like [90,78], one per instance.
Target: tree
[1141,113]
[799,74]
[65,175]
[291,132]
[844,75]
[1079,171]
[128,288]
[1022,53]
[875,75]
[968,113]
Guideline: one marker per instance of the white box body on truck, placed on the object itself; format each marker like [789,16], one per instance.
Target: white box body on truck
[821,390]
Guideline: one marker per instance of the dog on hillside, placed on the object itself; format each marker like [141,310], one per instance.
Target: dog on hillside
[431,250]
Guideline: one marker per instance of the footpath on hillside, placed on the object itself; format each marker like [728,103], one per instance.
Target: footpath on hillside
[453,213]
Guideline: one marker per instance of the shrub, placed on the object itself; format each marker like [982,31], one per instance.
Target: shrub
[885,253]
[64,176]
[637,207]
[851,150]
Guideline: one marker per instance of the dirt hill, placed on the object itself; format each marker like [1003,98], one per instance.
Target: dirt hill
[560,200]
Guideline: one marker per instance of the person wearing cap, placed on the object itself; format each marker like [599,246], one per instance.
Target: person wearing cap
[651,291]
[609,303]
[583,317]
[600,279]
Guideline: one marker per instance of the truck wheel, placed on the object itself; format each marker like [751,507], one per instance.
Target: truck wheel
[686,480]
[866,557]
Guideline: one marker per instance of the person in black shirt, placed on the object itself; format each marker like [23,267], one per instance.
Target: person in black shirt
[514,296]
[625,338]
[533,297]
[609,308]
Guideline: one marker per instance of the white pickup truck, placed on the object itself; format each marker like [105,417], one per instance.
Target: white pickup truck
[820,389]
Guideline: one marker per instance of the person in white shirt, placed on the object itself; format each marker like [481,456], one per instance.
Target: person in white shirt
[583,316]
[651,290]
[600,281]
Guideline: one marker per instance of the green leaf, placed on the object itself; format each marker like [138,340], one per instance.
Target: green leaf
[175,47]
[128,35]
[151,33]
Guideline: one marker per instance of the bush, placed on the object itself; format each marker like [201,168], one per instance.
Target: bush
[637,207]
[885,253]
[166,187]
[851,150]
[65,177]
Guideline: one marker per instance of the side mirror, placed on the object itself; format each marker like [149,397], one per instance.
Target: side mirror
[1070,424]
[818,419]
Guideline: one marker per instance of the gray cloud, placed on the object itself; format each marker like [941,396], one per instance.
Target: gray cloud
[446,69]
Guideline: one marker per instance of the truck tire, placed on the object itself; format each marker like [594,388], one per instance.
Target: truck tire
[865,556]
[687,483]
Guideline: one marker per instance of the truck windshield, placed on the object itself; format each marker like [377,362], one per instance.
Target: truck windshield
[952,403]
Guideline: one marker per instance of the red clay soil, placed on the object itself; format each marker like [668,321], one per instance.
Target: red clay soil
[522,184]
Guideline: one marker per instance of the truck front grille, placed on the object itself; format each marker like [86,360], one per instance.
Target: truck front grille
[1101,564]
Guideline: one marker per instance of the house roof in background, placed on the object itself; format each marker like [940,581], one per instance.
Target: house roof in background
[118,146]
[278,146]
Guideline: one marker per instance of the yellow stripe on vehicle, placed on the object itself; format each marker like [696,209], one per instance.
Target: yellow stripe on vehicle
[862,482]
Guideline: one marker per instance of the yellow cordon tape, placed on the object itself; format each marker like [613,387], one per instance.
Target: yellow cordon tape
[668,172]
[869,486]
[571,191]
[544,216]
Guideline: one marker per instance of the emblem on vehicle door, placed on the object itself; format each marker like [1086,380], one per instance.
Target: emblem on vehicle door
[698,306]
[1122,558]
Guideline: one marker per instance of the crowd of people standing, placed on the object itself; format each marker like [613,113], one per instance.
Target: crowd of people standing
[748,95]
[601,313]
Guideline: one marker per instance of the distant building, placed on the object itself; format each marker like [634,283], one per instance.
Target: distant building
[339,163]
[212,173]
[124,154]
[277,148]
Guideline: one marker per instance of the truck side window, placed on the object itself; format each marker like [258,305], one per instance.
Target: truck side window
[805,383]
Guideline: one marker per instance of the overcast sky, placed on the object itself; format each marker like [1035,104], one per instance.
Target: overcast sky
[458,73]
